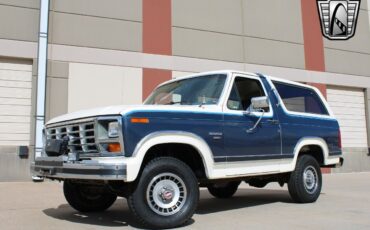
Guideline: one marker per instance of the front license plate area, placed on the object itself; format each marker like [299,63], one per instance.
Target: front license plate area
[55,147]
[52,147]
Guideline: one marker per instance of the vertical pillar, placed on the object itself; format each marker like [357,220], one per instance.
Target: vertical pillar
[157,39]
[313,43]
[41,75]
[367,114]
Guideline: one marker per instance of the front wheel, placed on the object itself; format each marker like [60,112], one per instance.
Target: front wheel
[166,195]
[88,198]
[305,181]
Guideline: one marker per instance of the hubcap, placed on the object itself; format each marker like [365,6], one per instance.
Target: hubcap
[166,194]
[310,179]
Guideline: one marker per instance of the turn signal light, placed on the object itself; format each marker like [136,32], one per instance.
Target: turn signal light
[114,147]
[139,120]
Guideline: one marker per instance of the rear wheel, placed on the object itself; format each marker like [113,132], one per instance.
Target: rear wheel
[88,198]
[223,190]
[305,181]
[166,195]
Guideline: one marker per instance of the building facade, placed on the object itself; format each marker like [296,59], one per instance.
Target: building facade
[116,51]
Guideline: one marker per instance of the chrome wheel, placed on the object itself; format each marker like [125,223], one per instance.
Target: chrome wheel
[310,179]
[166,194]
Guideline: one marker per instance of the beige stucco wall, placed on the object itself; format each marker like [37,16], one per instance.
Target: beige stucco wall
[19,23]
[351,56]
[92,86]
[259,32]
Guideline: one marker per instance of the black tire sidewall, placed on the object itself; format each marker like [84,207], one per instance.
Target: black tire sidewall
[81,203]
[296,183]
[224,192]
[138,201]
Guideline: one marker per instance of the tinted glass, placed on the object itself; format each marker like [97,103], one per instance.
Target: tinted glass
[204,90]
[300,99]
[243,90]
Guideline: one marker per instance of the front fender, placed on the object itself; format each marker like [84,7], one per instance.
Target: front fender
[166,137]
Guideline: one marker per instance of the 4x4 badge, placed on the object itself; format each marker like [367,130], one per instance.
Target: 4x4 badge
[338,18]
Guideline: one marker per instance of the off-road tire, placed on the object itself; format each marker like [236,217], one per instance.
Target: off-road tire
[298,188]
[142,203]
[225,190]
[88,199]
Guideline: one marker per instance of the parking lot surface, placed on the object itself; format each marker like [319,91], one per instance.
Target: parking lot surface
[343,204]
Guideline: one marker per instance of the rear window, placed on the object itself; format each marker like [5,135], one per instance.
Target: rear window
[300,99]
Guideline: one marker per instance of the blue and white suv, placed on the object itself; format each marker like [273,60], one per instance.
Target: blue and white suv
[213,130]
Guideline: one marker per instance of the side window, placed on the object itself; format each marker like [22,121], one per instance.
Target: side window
[243,90]
[300,99]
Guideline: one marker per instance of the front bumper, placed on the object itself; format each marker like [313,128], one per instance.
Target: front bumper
[58,168]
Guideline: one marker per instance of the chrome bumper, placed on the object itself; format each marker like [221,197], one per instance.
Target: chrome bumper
[57,168]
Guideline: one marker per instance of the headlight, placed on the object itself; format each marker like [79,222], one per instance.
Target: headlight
[113,129]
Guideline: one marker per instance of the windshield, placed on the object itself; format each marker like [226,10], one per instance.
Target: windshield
[204,90]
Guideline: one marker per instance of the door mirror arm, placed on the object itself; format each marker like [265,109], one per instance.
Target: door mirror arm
[258,121]
[257,103]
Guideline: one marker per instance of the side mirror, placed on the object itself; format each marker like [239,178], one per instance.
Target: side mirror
[259,103]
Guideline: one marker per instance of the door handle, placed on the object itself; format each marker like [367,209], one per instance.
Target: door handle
[273,121]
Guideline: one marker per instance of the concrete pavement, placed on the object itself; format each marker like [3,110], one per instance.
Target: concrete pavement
[343,204]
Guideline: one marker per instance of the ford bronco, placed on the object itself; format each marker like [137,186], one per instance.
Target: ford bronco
[212,130]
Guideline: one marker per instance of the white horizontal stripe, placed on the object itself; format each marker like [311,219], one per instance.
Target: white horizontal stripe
[22,49]
[349,130]
[15,119]
[15,110]
[136,59]
[352,123]
[355,136]
[347,105]
[345,99]
[14,101]
[186,64]
[14,128]
[10,75]
[14,137]
[15,84]
[356,93]
[15,93]
[15,66]
[14,143]
[350,117]
[349,111]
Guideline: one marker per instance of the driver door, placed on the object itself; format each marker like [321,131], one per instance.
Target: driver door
[240,143]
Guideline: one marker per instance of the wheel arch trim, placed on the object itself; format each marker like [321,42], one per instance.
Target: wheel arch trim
[317,141]
[169,137]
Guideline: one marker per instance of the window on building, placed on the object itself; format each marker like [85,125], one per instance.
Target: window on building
[300,99]
[243,90]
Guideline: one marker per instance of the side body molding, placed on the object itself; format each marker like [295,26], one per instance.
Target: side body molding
[166,137]
[213,170]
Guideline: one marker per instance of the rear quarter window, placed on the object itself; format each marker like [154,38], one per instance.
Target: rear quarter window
[300,99]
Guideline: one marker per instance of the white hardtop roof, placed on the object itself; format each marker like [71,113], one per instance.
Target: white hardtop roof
[238,72]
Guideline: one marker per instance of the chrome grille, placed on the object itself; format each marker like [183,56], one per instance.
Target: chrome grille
[81,136]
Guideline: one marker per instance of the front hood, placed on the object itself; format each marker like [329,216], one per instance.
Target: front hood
[94,112]
[124,109]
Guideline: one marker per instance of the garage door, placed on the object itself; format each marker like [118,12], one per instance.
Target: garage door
[15,103]
[348,105]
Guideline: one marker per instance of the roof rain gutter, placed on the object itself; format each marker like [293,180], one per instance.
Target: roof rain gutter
[42,58]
